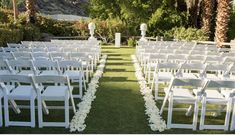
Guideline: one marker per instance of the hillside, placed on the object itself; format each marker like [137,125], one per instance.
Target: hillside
[51,7]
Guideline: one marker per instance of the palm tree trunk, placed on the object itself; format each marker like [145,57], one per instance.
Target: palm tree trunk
[15,9]
[31,13]
[207,16]
[222,20]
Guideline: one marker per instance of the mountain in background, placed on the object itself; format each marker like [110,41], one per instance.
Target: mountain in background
[52,7]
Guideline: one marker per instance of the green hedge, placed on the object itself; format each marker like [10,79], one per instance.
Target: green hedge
[188,34]
[10,36]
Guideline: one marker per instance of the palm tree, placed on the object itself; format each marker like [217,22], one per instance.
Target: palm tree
[31,13]
[15,9]
[207,16]
[222,20]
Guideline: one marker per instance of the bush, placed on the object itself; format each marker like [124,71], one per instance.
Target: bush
[164,20]
[131,42]
[8,35]
[31,33]
[189,34]
[57,28]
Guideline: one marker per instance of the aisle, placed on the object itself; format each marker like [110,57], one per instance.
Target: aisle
[118,107]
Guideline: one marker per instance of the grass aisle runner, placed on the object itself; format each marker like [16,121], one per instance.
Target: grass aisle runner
[119,106]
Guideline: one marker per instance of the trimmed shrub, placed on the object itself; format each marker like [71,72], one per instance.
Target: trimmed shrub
[8,35]
[189,34]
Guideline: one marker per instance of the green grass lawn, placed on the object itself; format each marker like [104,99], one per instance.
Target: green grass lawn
[119,106]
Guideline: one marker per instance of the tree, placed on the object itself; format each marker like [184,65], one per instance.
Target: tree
[31,12]
[207,16]
[222,20]
[15,9]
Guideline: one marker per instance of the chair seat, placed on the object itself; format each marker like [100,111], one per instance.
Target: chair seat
[189,75]
[181,94]
[23,92]
[73,74]
[212,76]
[227,93]
[49,72]
[26,72]
[213,94]
[55,93]
[165,75]
[5,72]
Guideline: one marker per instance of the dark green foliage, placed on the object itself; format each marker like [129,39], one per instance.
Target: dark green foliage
[57,28]
[131,42]
[231,30]
[188,34]
[8,35]
[165,19]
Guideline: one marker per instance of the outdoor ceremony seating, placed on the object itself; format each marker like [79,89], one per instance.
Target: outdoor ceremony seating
[177,63]
[59,90]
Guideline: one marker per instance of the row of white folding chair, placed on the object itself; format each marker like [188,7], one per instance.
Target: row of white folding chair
[71,68]
[31,88]
[165,71]
[89,62]
[219,92]
[151,60]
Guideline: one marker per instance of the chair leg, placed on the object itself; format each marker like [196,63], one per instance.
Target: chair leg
[228,113]
[156,88]
[203,113]
[80,85]
[66,106]
[32,112]
[189,111]
[40,115]
[1,121]
[84,81]
[6,111]
[195,116]
[170,112]
[232,126]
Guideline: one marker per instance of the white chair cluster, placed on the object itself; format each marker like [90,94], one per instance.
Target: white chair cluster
[196,74]
[43,71]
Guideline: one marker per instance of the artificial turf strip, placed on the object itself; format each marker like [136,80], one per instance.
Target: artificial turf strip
[119,106]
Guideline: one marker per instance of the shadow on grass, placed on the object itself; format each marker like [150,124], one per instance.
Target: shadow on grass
[116,79]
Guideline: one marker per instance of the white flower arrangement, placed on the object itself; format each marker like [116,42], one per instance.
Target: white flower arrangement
[156,122]
[78,121]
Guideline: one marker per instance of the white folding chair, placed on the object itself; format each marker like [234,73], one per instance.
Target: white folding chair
[24,50]
[40,56]
[174,94]
[22,55]
[47,67]
[7,49]
[5,68]
[23,67]
[163,72]
[54,92]
[13,45]
[23,91]
[74,70]
[58,56]
[6,55]
[212,95]
[54,49]
[196,59]
[1,117]
[86,62]
[216,71]
[192,70]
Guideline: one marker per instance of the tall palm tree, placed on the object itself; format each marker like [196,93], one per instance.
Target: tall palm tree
[15,9]
[207,16]
[222,20]
[31,12]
